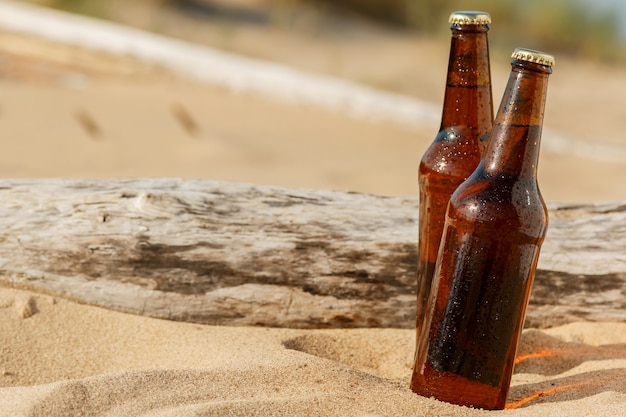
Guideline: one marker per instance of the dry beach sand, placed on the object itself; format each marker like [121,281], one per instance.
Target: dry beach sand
[66,112]
[64,359]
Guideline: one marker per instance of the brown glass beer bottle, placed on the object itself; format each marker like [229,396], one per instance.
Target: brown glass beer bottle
[454,154]
[495,224]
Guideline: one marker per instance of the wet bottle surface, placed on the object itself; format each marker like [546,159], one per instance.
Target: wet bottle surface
[465,125]
[495,225]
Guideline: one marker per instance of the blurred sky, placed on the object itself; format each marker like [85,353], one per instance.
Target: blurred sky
[619,6]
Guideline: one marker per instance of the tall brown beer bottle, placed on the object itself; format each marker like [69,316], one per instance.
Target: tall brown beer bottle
[454,154]
[494,227]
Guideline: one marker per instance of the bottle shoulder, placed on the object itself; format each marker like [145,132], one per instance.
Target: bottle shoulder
[455,152]
[504,202]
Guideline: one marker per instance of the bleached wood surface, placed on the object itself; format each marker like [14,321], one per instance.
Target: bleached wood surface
[239,254]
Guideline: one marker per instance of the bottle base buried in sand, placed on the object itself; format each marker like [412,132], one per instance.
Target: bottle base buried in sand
[455,389]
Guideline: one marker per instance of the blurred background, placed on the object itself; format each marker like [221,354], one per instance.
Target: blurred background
[74,111]
[584,28]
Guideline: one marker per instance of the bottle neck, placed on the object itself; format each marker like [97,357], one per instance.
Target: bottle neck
[468,99]
[513,148]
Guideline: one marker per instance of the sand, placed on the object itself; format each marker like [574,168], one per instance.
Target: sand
[69,113]
[60,358]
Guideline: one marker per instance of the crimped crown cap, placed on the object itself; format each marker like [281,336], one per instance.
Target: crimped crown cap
[470,17]
[531,55]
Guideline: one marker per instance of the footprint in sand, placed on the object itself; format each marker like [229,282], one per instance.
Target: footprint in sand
[392,360]
[26,307]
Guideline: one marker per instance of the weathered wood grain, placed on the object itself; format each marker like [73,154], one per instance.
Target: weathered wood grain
[239,254]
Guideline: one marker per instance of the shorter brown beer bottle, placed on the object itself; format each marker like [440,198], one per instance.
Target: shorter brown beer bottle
[495,224]
[454,154]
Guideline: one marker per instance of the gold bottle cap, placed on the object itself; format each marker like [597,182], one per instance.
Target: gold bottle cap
[470,18]
[533,56]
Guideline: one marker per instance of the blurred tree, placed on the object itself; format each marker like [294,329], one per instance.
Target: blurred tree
[559,26]
[94,8]
[563,26]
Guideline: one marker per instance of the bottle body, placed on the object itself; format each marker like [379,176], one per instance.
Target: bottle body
[454,154]
[441,172]
[481,289]
[495,224]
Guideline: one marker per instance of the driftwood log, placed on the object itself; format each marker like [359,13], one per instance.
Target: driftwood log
[238,254]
